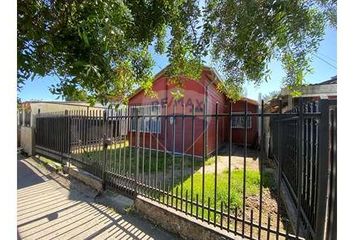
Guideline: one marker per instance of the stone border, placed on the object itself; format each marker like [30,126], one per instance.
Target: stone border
[179,223]
[85,177]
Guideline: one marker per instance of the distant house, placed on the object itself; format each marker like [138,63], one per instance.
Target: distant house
[311,92]
[29,109]
[179,137]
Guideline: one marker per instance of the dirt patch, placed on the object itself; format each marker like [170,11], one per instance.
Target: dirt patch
[237,162]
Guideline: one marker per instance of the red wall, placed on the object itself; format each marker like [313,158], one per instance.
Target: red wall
[238,134]
[194,93]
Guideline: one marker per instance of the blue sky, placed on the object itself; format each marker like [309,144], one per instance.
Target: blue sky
[323,69]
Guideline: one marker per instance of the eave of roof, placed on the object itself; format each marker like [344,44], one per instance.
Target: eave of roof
[161,73]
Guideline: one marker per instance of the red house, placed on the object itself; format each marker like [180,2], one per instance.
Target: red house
[189,134]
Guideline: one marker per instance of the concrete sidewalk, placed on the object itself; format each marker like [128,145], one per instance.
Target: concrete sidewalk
[52,207]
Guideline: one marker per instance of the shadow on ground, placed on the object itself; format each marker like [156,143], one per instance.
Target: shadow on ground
[51,207]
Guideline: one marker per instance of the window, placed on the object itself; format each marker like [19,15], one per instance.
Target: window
[146,124]
[239,121]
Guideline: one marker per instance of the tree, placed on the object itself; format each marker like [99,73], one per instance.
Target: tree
[101,47]
[244,36]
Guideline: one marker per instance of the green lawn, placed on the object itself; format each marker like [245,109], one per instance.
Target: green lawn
[236,189]
[126,158]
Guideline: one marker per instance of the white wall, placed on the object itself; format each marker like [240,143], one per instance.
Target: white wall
[27,139]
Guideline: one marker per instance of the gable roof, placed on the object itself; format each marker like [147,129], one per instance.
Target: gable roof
[163,71]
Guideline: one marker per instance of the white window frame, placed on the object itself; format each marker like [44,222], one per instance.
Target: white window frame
[249,122]
[143,111]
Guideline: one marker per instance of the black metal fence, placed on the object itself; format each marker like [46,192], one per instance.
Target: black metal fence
[235,188]
[301,147]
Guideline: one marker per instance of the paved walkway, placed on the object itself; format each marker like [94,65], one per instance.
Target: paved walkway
[51,207]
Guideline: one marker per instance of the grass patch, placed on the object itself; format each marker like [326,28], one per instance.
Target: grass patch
[210,161]
[236,186]
[46,161]
[236,189]
[126,158]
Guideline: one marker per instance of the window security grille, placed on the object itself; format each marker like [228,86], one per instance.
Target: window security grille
[239,121]
[144,117]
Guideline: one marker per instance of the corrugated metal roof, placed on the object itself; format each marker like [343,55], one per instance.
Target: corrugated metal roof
[333,80]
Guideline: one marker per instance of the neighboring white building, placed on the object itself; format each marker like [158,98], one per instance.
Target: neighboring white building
[322,90]
[29,109]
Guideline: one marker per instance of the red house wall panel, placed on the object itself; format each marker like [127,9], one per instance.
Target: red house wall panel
[195,93]
[238,134]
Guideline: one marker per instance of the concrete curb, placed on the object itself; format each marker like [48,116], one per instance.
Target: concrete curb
[85,177]
[179,223]
[118,202]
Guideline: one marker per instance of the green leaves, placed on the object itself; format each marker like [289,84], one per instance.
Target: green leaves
[246,35]
[100,47]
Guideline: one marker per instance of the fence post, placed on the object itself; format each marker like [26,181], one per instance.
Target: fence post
[332,198]
[68,140]
[34,134]
[322,170]
[105,145]
[300,159]
[137,145]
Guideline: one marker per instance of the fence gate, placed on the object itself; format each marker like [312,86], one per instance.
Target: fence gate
[190,162]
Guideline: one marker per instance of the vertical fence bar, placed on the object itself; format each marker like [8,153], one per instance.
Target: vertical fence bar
[88,139]
[86,119]
[97,140]
[332,198]
[205,153]
[323,170]
[261,159]
[67,134]
[124,130]
[131,120]
[193,148]
[116,133]
[251,225]
[164,153]
[244,169]
[173,147]
[229,169]
[216,159]
[137,144]
[315,164]
[112,146]
[208,210]
[105,145]
[222,215]
[79,135]
[279,168]
[176,206]
[235,229]
[143,145]
[186,206]
[150,143]
[158,130]
[268,227]
[182,162]
[299,172]
[94,149]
